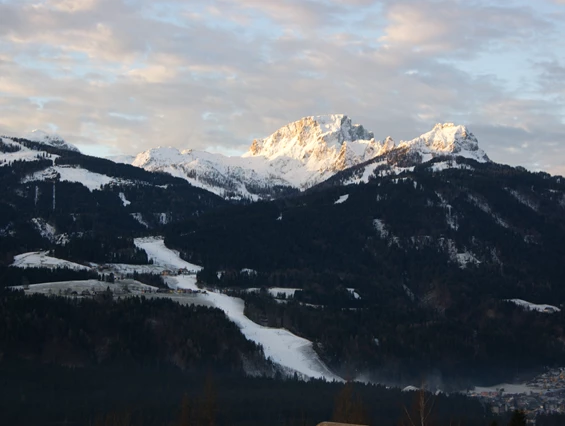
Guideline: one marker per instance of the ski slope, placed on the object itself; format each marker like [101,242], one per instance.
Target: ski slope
[293,353]
[162,256]
[93,181]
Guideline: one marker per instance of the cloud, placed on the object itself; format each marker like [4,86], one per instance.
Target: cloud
[131,75]
[71,6]
[449,27]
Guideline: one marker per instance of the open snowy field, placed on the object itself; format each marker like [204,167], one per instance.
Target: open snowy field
[40,259]
[184,282]
[93,181]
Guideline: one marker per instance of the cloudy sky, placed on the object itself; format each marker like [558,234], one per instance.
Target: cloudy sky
[122,76]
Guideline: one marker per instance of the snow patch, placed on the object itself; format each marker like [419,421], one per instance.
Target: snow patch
[139,218]
[409,292]
[483,205]
[381,228]
[288,292]
[93,181]
[463,259]
[354,293]
[451,164]
[547,309]
[524,200]
[163,218]
[125,202]
[384,233]
[342,199]
[46,230]
[185,282]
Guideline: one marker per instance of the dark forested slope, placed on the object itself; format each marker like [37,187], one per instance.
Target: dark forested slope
[433,252]
[87,208]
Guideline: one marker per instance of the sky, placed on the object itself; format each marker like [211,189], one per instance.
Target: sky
[123,76]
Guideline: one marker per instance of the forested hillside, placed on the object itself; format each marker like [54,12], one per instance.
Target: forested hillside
[433,253]
[154,362]
[85,208]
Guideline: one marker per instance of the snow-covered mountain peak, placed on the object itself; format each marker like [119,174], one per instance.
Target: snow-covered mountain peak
[158,156]
[50,139]
[447,139]
[388,143]
[302,154]
[313,138]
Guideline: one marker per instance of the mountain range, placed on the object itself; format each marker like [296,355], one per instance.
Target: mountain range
[301,155]
[412,252]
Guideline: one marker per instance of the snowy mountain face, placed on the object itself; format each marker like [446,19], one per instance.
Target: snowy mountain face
[446,140]
[31,147]
[50,139]
[446,146]
[229,177]
[309,150]
[12,150]
[303,154]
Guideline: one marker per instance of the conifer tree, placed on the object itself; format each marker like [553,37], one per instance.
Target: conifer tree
[518,418]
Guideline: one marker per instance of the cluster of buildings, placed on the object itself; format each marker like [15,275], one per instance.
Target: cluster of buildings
[545,394]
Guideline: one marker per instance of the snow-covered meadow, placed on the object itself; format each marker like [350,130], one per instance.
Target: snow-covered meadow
[40,259]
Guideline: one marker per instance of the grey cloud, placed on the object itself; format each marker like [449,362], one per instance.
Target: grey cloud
[459,29]
[552,77]
[207,83]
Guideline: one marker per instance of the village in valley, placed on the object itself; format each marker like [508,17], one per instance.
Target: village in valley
[544,394]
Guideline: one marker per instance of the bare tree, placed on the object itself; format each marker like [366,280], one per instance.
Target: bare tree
[422,411]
